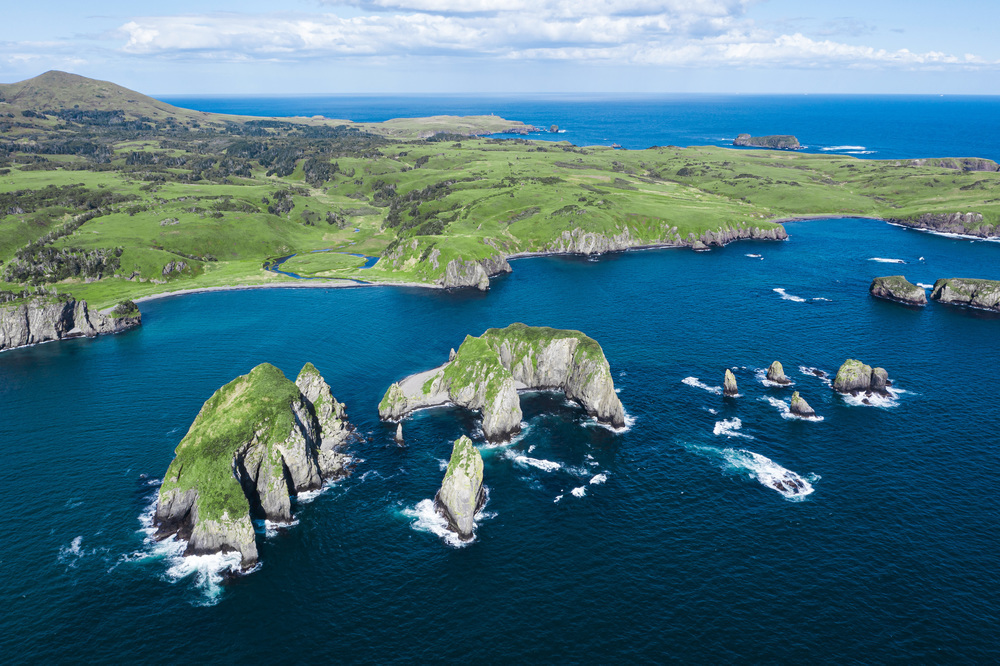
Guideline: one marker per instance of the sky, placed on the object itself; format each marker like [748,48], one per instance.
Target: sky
[255,47]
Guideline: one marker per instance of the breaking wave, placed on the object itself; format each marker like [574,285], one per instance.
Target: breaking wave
[695,382]
[768,473]
[817,373]
[874,399]
[730,428]
[883,260]
[426,518]
[544,465]
[788,297]
[786,412]
[579,492]
[853,148]
[598,479]
[761,375]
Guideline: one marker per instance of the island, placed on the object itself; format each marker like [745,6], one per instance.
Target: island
[898,288]
[856,378]
[462,494]
[256,441]
[487,372]
[980,294]
[772,142]
[27,319]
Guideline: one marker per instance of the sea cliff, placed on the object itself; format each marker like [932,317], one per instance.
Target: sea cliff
[42,319]
[982,294]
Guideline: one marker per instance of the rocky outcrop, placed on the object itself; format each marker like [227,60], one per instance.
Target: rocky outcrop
[982,294]
[729,387]
[800,407]
[399,434]
[773,141]
[967,224]
[589,243]
[57,318]
[898,288]
[776,374]
[855,377]
[958,163]
[256,441]
[487,372]
[462,494]
[473,273]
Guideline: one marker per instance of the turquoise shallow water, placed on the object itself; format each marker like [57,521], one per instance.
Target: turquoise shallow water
[682,552]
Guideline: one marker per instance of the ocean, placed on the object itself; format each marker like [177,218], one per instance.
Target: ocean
[669,540]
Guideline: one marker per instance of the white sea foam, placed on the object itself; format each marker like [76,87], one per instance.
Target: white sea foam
[207,572]
[695,382]
[730,428]
[442,464]
[556,500]
[754,256]
[925,286]
[598,479]
[769,473]
[426,518]
[812,372]
[761,375]
[544,465]
[884,260]
[820,298]
[579,492]
[70,554]
[874,399]
[788,297]
[855,148]
[786,412]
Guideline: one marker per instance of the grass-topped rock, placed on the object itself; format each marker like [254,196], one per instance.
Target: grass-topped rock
[487,372]
[898,288]
[37,319]
[462,494]
[982,294]
[855,377]
[256,441]
[773,142]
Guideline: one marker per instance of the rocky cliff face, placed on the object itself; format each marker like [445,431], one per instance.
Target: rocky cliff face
[729,387]
[968,224]
[958,163]
[257,440]
[855,377]
[462,494]
[800,407]
[45,319]
[983,294]
[459,273]
[487,372]
[773,141]
[776,374]
[898,288]
[588,243]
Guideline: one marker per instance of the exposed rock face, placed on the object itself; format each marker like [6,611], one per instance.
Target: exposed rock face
[855,377]
[459,273]
[800,407]
[462,494]
[399,434]
[773,141]
[898,288]
[45,319]
[984,294]
[776,374]
[588,243]
[729,385]
[255,441]
[959,163]
[487,372]
[968,224]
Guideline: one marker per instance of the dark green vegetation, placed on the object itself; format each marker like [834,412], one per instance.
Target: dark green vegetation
[109,195]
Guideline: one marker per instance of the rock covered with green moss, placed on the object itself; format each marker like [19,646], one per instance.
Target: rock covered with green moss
[729,387]
[36,320]
[462,494]
[800,407]
[855,377]
[898,288]
[487,372]
[772,141]
[258,439]
[983,294]
[776,374]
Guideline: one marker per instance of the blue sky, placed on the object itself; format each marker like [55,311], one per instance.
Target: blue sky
[470,46]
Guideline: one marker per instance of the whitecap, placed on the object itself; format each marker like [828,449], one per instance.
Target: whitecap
[556,500]
[579,492]
[761,375]
[884,260]
[788,297]
[786,412]
[874,399]
[442,464]
[208,572]
[426,518]
[768,473]
[71,553]
[855,148]
[817,373]
[544,465]
[598,479]
[730,428]
[754,256]
[925,286]
[820,298]
[695,382]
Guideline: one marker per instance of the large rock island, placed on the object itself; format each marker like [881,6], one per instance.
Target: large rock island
[462,494]
[487,372]
[898,288]
[41,319]
[982,294]
[855,378]
[773,142]
[258,439]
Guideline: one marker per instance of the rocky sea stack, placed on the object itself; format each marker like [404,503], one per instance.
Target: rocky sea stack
[256,441]
[898,288]
[41,319]
[776,374]
[855,378]
[487,372]
[462,494]
[729,387]
[774,142]
[800,407]
[982,294]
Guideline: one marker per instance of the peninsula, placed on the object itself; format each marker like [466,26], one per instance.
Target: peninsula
[487,372]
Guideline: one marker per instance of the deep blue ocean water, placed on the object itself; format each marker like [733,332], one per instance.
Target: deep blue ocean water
[867,126]
[683,552]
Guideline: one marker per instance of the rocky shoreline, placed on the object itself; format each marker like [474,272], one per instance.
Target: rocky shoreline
[46,319]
